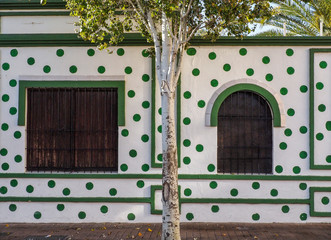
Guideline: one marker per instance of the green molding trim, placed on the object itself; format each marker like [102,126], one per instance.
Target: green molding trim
[250,87]
[245,200]
[32,4]
[73,199]
[154,188]
[313,190]
[23,85]
[312,52]
[36,13]
[178,119]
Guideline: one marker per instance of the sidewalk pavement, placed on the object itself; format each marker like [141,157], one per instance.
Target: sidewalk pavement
[152,231]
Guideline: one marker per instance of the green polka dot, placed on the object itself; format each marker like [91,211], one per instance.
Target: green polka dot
[187,143]
[274,192]
[73,69]
[234,192]
[328,159]
[90,52]
[145,77]
[187,121]
[66,191]
[31,61]
[124,167]
[140,184]
[3,190]
[186,160]
[145,53]
[112,192]
[18,158]
[191,51]
[187,192]
[5,166]
[255,185]
[145,104]
[266,60]
[211,168]
[145,138]
[104,209]
[133,153]
[303,89]
[51,183]
[269,77]
[290,112]
[279,169]
[290,70]
[328,125]
[250,72]
[13,83]
[201,104]
[213,184]
[319,136]
[195,72]
[325,200]
[215,208]
[323,64]
[319,86]
[13,111]
[131,217]
[303,216]
[37,215]
[13,183]
[288,132]
[12,207]
[5,66]
[3,152]
[89,186]
[131,94]
[283,91]
[289,52]
[145,167]
[282,145]
[303,129]
[120,52]
[303,154]
[159,157]
[199,148]
[125,132]
[60,207]
[4,126]
[243,51]
[13,52]
[256,217]
[214,83]
[82,215]
[5,98]
[29,189]
[212,56]
[128,70]
[296,170]
[17,134]
[321,107]
[60,52]
[187,95]
[160,111]
[159,129]
[101,69]
[303,186]
[226,67]
[46,69]
[189,216]
[285,209]
[136,117]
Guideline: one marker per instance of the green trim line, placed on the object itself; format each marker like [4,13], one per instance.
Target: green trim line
[179,119]
[312,52]
[245,200]
[154,188]
[312,191]
[73,199]
[36,13]
[23,85]
[31,4]
[135,39]
[246,87]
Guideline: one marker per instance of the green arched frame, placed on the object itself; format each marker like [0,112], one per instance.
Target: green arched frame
[246,87]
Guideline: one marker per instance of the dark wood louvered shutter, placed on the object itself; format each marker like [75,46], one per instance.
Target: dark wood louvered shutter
[244,134]
[72,129]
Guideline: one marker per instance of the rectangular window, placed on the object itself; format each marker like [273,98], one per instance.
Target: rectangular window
[72,129]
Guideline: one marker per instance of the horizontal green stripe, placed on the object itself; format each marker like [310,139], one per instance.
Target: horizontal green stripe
[74,199]
[245,200]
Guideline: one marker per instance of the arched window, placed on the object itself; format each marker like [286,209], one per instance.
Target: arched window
[244,134]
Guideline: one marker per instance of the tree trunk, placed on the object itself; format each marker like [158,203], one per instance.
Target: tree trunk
[170,216]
